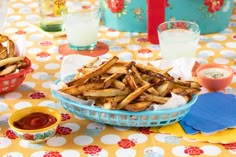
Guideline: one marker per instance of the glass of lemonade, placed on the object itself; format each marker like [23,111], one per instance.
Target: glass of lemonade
[178,39]
[81,24]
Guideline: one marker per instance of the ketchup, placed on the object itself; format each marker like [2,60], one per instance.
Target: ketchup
[37,120]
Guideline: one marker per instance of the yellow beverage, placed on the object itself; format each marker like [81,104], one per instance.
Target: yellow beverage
[175,43]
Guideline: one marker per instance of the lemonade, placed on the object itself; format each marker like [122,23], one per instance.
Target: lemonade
[177,43]
[82,29]
[178,39]
[81,25]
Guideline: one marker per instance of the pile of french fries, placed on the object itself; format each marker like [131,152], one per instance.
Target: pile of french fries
[118,85]
[9,62]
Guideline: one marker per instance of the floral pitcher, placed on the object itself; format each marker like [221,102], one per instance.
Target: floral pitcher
[131,15]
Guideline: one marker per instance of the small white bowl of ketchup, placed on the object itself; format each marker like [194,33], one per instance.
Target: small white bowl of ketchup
[214,77]
[35,124]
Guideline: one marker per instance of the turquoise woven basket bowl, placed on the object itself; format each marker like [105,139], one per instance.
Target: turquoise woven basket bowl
[131,15]
[125,118]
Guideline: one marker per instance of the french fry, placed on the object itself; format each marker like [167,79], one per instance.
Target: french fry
[139,106]
[152,72]
[108,81]
[111,102]
[3,38]
[186,91]
[79,89]
[96,72]
[133,95]
[108,92]
[131,82]
[141,81]
[86,68]
[118,84]
[165,88]
[154,98]
[21,64]
[3,53]
[120,67]
[8,70]
[192,91]
[117,69]
[179,91]
[11,60]
[115,99]
[191,84]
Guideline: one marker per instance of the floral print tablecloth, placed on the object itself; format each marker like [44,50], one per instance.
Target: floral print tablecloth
[80,137]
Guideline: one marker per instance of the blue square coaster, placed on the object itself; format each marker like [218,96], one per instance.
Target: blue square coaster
[211,113]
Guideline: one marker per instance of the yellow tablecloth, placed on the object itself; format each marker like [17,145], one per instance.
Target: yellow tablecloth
[80,137]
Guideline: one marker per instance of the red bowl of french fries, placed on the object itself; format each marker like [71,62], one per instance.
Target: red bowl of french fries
[123,92]
[13,68]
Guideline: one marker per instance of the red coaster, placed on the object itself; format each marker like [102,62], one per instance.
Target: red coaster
[99,50]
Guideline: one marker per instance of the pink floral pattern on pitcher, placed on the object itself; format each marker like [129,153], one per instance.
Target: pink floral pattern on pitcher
[119,8]
[116,6]
[213,5]
[208,6]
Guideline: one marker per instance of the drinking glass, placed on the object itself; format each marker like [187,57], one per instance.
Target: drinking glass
[3,13]
[81,25]
[178,39]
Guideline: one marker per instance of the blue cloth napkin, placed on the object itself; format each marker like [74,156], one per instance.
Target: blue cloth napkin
[212,112]
[188,129]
